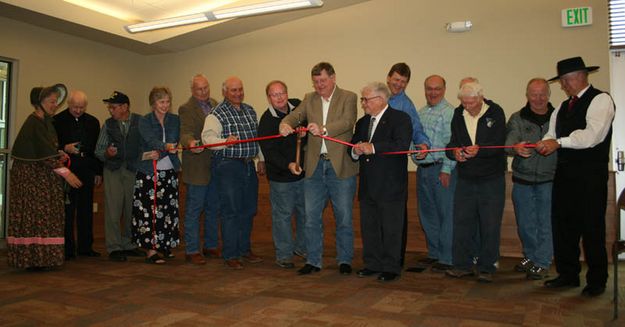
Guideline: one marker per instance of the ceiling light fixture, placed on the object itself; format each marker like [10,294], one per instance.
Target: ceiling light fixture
[248,10]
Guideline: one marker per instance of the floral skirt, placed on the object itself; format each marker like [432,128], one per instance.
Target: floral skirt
[36,216]
[156,229]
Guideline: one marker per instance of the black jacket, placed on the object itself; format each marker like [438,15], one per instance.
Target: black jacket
[491,130]
[279,152]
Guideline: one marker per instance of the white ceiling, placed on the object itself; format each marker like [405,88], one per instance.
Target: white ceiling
[104,20]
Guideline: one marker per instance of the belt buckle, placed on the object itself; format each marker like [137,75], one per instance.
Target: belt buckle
[324,156]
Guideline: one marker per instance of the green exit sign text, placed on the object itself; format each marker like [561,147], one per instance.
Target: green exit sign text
[572,17]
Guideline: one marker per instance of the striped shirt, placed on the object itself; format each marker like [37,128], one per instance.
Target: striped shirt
[241,122]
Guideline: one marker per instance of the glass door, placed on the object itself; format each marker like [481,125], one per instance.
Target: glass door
[5,96]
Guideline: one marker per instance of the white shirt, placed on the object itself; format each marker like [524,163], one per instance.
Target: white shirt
[325,107]
[375,125]
[471,121]
[598,122]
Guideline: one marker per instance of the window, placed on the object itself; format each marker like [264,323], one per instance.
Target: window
[617,24]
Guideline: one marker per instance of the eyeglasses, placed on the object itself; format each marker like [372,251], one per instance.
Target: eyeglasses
[277,95]
[366,100]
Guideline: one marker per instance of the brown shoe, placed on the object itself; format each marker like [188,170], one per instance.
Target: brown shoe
[211,253]
[233,264]
[252,258]
[196,259]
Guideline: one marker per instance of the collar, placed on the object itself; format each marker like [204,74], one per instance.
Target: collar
[379,115]
[274,112]
[581,93]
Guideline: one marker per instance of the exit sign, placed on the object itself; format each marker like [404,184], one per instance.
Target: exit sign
[580,16]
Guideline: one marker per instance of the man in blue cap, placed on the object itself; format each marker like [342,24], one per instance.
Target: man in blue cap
[118,149]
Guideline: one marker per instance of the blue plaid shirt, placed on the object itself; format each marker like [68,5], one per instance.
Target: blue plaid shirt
[241,122]
[436,122]
[403,103]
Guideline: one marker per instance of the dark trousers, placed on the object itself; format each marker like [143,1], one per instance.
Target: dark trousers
[80,210]
[578,212]
[381,225]
[478,206]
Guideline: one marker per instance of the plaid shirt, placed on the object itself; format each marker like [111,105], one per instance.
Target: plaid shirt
[436,123]
[241,122]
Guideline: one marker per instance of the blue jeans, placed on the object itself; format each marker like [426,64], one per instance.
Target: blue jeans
[532,207]
[318,188]
[237,187]
[201,198]
[436,212]
[287,199]
[478,206]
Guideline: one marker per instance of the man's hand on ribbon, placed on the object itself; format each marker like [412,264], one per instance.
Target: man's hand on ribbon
[314,129]
[171,147]
[231,138]
[547,147]
[521,150]
[421,155]
[363,148]
[285,129]
[193,144]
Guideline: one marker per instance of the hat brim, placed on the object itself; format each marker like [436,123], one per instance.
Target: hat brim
[588,69]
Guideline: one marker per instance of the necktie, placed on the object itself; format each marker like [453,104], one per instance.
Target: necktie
[370,130]
[572,102]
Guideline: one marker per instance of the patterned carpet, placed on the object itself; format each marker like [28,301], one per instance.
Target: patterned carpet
[98,292]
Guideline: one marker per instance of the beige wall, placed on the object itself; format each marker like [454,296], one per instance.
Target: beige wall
[46,57]
[511,42]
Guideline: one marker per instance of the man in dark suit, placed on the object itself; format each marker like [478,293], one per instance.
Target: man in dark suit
[383,181]
[196,167]
[78,133]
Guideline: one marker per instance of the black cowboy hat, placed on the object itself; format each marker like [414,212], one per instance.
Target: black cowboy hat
[572,65]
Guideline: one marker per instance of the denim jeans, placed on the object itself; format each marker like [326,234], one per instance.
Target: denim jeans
[287,199]
[201,198]
[532,207]
[237,187]
[436,212]
[318,188]
[478,206]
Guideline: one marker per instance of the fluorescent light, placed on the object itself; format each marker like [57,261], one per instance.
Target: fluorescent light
[167,22]
[255,9]
[265,7]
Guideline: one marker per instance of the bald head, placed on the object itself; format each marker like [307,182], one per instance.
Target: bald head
[77,103]
[232,90]
[200,89]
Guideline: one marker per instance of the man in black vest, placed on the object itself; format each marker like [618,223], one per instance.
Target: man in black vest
[118,148]
[580,130]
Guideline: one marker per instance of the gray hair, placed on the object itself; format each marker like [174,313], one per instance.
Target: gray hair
[197,76]
[378,88]
[468,79]
[471,89]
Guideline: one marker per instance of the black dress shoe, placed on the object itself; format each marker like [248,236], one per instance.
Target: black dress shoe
[307,269]
[560,282]
[118,256]
[90,253]
[387,277]
[366,272]
[593,290]
[134,253]
[345,269]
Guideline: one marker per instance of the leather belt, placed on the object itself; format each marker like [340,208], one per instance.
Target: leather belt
[244,160]
[430,164]
[324,156]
